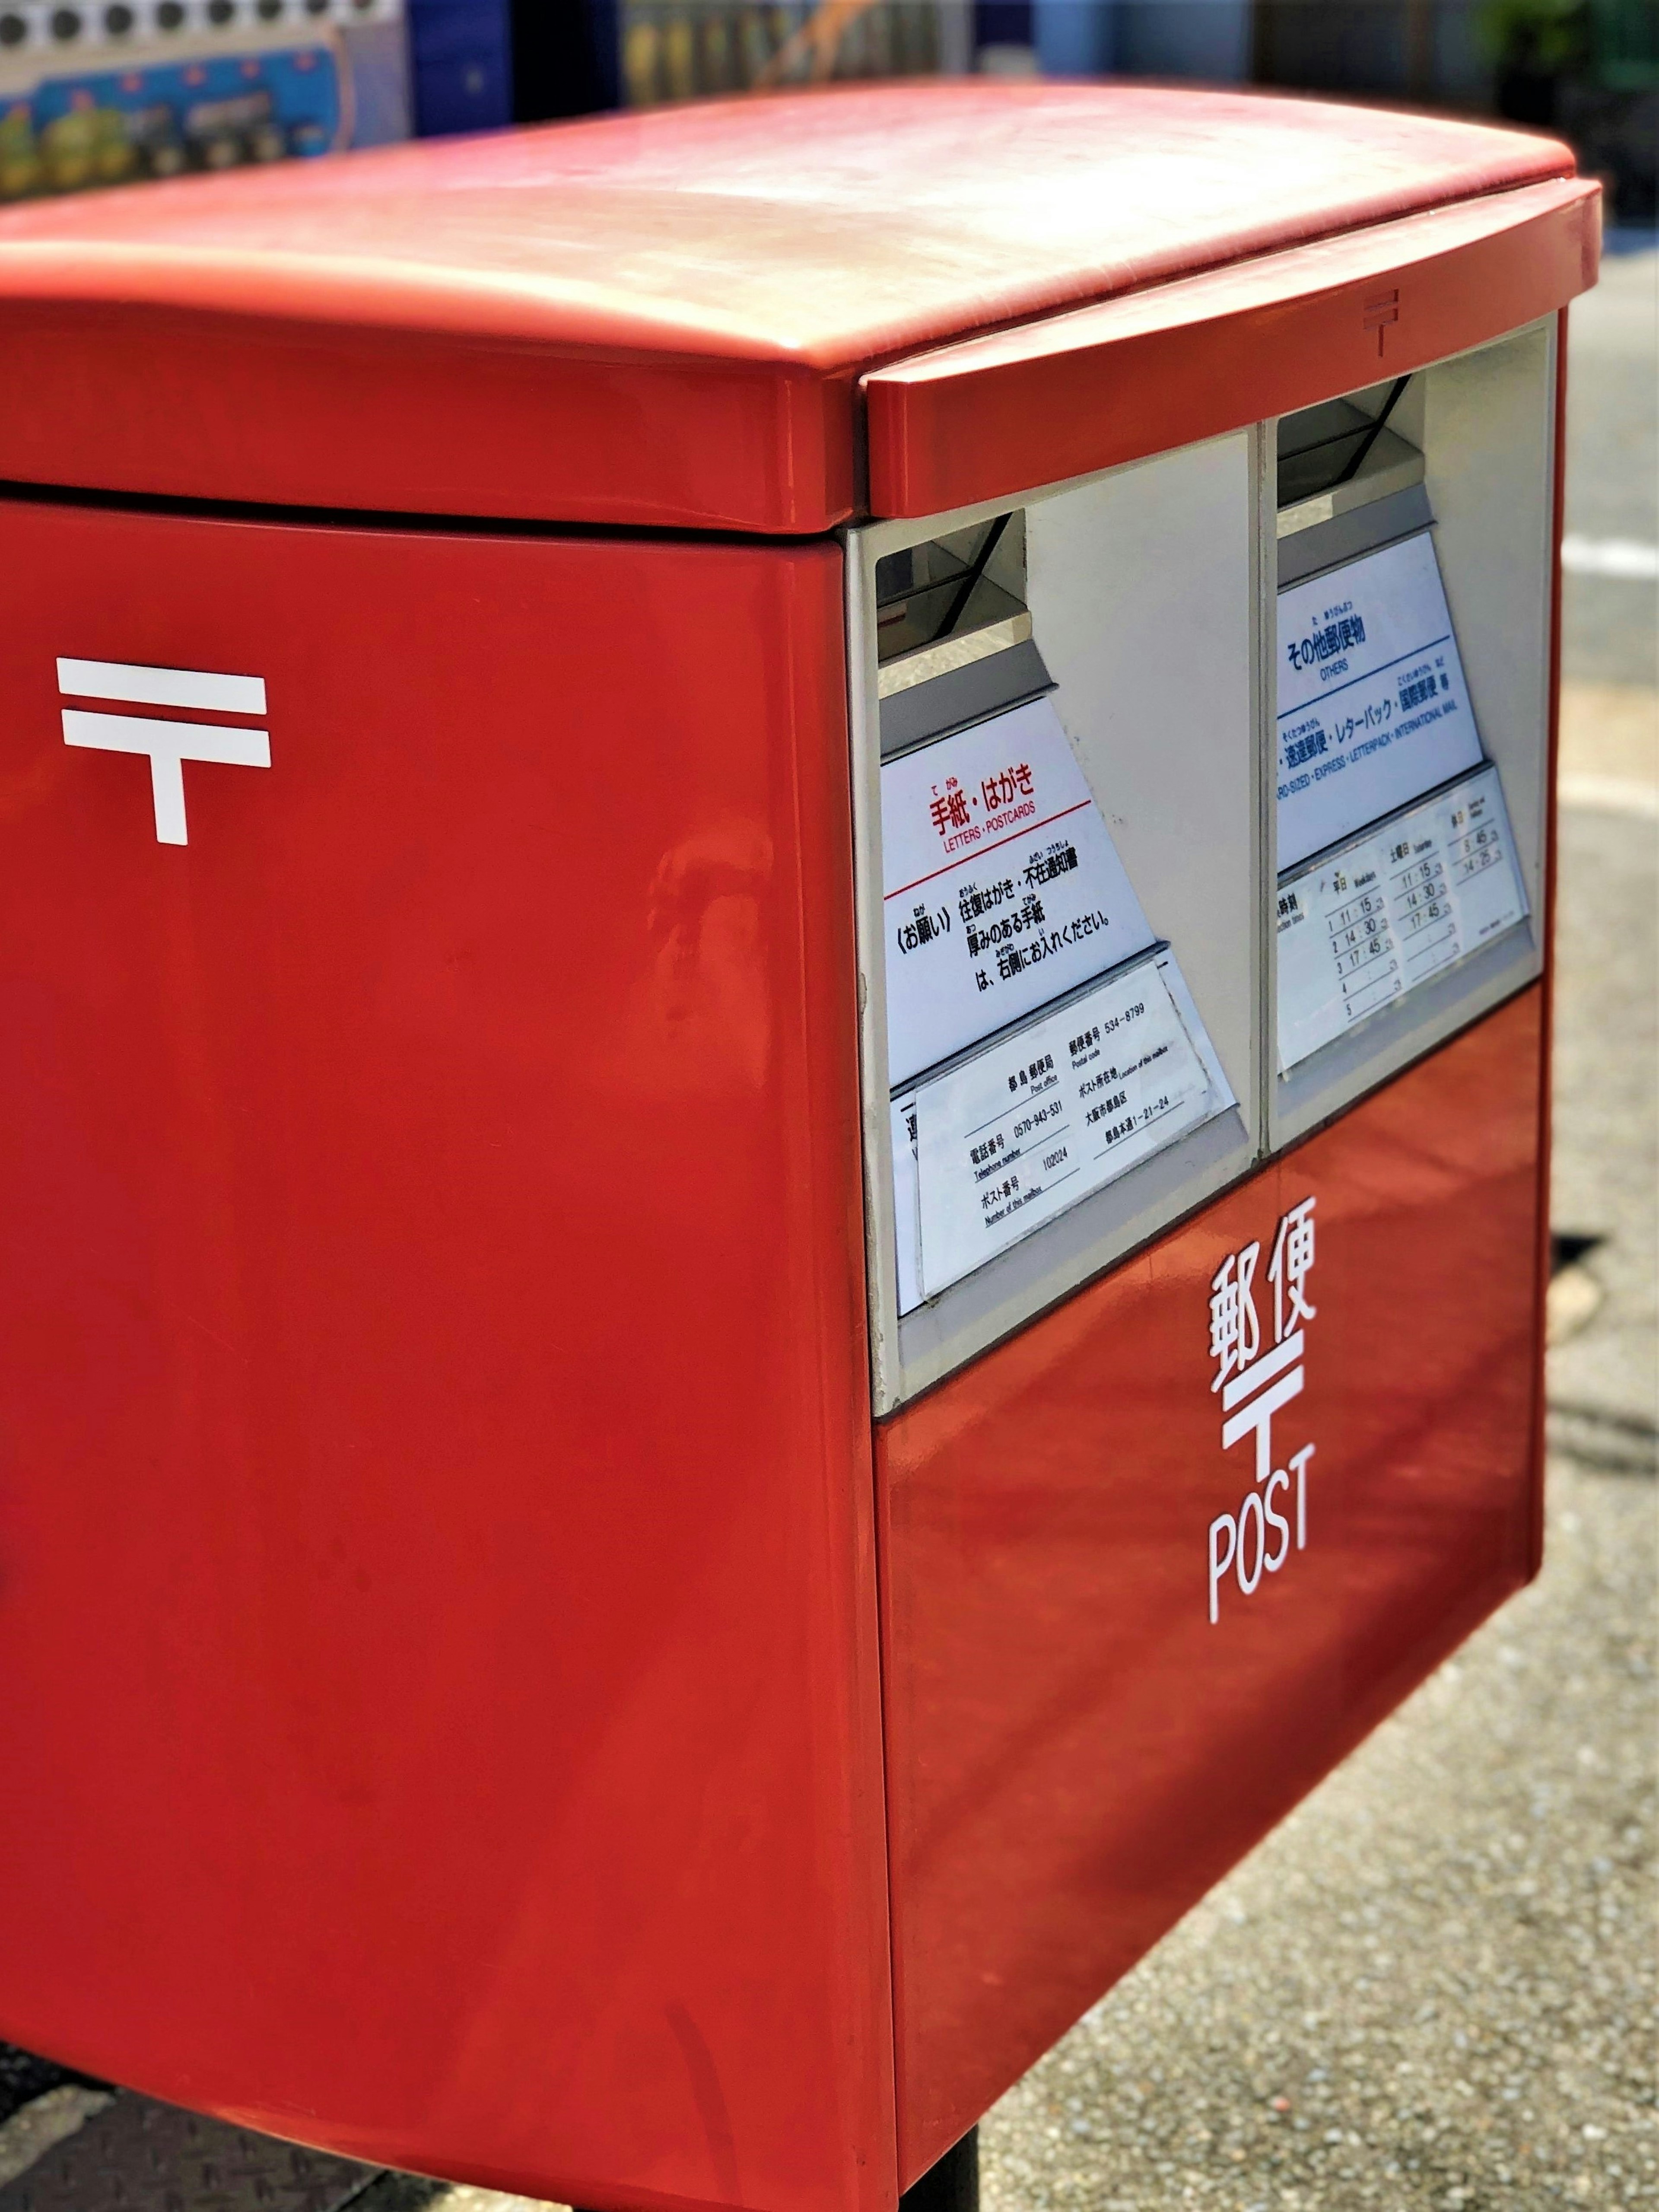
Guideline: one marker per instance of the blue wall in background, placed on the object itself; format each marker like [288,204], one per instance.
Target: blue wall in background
[1073,38]
[461,62]
[1003,22]
[462,52]
[1206,40]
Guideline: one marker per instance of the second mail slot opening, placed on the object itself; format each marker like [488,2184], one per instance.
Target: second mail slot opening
[1397,858]
[1335,456]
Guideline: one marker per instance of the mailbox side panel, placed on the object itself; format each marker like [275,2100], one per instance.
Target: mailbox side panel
[1076,1751]
[437,1590]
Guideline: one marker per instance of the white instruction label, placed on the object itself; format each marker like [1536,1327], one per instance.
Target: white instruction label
[996,1146]
[1002,888]
[1396,907]
[907,1217]
[1373,708]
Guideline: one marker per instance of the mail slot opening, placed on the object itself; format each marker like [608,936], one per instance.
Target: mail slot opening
[951,601]
[1350,447]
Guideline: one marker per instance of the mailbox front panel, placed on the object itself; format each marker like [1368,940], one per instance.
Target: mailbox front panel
[1151,1568]
[437,1598]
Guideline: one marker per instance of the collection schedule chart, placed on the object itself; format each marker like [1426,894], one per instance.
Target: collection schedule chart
[1358,928]
[1373,708]
[996,1146]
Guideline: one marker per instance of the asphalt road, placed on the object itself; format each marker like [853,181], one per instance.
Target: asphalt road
[1433,1985]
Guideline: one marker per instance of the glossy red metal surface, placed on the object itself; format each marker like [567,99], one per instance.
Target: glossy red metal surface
[1176,362]
[652,319]
[1074,1751]
[437,1596]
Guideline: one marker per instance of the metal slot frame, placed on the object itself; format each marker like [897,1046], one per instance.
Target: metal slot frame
[1391,465]
[910,1355]
[1491,515]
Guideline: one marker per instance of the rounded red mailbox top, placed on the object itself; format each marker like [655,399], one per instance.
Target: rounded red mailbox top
[662,319]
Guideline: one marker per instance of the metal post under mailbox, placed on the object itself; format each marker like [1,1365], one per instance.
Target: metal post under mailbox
[775,932]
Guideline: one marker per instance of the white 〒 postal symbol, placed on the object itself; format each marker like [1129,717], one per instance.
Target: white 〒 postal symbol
[1254,1385]
[167,743]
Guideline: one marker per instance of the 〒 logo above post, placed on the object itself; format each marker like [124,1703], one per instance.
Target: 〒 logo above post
[168,744]
[1242,1369]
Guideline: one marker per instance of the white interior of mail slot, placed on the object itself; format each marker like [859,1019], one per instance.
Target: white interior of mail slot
[1058,810]
[1410,697]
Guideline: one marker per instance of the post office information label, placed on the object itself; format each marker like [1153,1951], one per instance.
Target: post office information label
[1011,1136]
[1373,708]
[1001,887]
[1362,926]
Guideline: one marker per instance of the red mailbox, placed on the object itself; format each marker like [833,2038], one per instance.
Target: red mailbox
[775,926]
